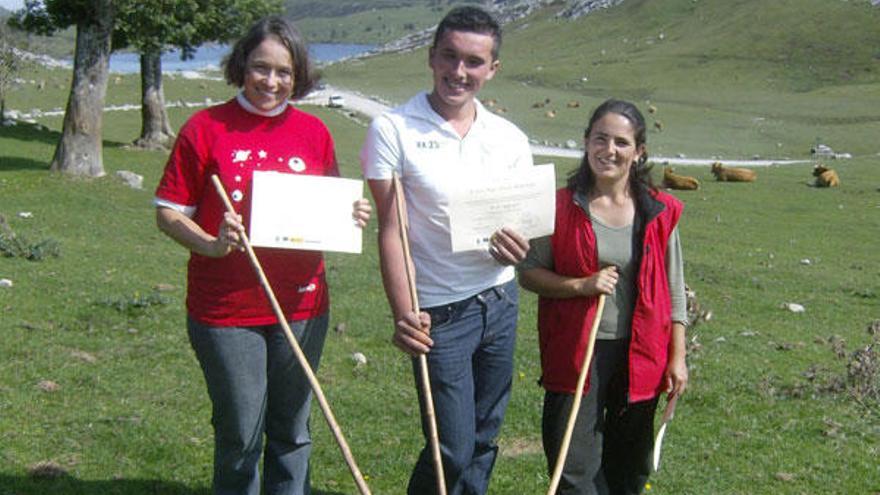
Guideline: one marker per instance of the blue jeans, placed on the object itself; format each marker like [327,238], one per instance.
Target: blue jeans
[471,372]
[257,388]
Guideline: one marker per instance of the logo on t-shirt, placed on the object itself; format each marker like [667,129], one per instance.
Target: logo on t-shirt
[239,156]
[428,145]
[296,164]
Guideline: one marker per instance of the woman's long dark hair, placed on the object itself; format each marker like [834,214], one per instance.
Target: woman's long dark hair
[582,179]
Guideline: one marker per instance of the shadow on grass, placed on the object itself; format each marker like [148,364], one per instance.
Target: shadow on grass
[67,485]
[30,132]
[18,163]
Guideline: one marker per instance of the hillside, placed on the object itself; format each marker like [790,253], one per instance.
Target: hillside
[370,22]
[733,78]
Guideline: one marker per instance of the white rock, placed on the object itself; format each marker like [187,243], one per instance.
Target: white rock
[132,179]
[5,282]
[793,307]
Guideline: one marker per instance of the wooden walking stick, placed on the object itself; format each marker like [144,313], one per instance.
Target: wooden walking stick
[297,351]
[576,405]
[400,204]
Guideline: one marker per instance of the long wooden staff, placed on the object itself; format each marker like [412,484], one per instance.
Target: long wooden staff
[400,204]
[297,351]
[576,405]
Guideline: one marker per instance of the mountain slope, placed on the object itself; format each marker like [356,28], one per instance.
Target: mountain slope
[729,77]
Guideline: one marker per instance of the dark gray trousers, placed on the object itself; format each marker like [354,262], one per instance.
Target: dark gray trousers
[610,450]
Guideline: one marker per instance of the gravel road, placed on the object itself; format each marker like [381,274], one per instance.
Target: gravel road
[372,108]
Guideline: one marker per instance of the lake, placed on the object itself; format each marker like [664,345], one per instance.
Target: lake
[209,56]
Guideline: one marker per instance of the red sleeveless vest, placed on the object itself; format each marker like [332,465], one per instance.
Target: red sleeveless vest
[564,324]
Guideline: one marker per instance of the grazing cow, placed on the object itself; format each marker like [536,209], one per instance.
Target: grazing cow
[550,114]
[658,125]
[672,180]
[491,102]
[825,177]
[652,109]
[730,174]
[539,104]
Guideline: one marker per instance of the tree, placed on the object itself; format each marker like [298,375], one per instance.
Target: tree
[152,26]
[79,151]
[10,64]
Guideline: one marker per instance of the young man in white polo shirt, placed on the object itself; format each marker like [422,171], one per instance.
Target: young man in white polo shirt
[469,299]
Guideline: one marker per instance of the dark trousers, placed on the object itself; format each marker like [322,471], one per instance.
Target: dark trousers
[610,449]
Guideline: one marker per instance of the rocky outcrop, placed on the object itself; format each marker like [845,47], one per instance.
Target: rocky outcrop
[505,11]
[580,8]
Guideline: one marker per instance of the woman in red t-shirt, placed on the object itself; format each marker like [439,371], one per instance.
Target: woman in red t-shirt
[256,386]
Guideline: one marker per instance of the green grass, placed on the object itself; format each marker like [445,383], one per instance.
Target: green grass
[137,419]
[131,415]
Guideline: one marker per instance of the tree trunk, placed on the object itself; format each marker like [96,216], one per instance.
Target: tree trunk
[155,128]
[79,152]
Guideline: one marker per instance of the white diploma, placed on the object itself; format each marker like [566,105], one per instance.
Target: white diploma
[523,199]
[307,212]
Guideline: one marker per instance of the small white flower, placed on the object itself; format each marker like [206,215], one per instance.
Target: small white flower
[793,307]
[359,359]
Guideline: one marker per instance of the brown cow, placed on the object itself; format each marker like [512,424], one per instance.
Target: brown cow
[730,174]
[825,177]
[672,180]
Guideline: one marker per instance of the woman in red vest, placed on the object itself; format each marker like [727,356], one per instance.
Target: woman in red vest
[615,235]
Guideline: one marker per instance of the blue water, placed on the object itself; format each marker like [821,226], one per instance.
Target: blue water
[209,56]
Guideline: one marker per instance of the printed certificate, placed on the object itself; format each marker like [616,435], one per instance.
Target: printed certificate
[305,212]
[524,200]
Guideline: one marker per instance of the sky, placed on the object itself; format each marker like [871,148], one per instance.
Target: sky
[12,4]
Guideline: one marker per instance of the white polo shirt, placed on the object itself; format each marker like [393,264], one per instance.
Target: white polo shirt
[417,143]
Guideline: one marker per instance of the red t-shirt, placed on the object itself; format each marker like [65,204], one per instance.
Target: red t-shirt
[231,142]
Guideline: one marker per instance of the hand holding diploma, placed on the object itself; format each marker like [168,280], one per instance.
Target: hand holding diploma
[508,247]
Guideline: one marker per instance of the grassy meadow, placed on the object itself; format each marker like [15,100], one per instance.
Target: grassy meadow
[97,376]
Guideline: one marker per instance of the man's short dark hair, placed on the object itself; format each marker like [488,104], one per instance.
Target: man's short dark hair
[470,20]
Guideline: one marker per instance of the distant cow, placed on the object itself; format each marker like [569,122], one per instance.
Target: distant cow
[672,180]
[825,177]
[730,174]
[573,104]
